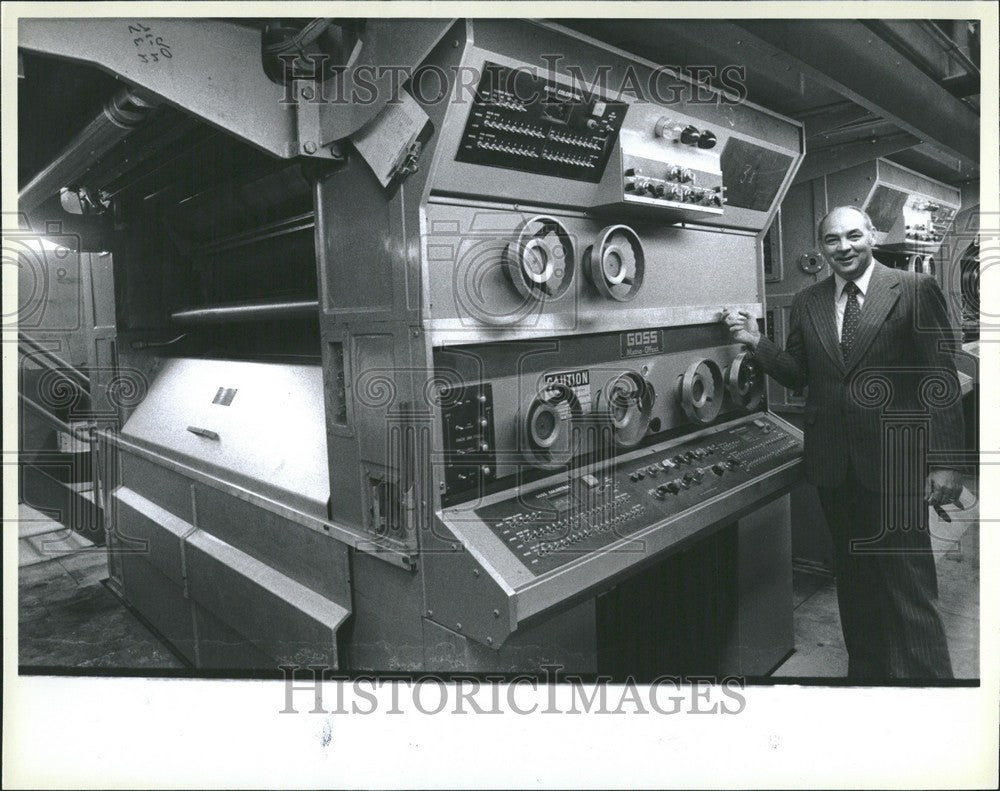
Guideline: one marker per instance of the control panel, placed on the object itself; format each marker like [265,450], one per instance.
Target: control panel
[911,212]
[523,122]
[470,447]
[551,526]
[926,221]
[667,162]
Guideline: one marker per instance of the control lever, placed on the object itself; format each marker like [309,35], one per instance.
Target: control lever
[203,432]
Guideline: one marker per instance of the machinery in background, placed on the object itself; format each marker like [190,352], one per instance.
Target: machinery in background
[913,217]
[462,400]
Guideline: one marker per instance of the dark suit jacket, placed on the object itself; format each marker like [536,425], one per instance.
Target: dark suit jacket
[901,373]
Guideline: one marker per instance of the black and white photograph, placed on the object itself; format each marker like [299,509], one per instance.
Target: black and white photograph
[463,394]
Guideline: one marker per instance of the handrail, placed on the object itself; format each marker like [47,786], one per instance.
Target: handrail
[253,311]
[54,362]
[54,421]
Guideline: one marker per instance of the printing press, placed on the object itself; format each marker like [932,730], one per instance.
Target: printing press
[435,382]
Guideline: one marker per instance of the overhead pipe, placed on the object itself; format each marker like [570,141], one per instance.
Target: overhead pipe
[121,115]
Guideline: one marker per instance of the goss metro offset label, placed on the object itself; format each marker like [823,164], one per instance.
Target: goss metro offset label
[641,343]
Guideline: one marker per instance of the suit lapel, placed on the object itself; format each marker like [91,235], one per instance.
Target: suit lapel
[823,312]
[883,291]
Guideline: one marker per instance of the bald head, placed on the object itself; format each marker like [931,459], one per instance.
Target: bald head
[839,212]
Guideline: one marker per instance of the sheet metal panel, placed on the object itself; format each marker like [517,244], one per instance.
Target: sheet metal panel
[282,618]
[261,425]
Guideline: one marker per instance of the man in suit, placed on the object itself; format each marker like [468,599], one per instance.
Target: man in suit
[871,345]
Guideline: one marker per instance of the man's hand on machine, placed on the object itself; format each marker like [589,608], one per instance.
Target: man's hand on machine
[942,487]
[742,326]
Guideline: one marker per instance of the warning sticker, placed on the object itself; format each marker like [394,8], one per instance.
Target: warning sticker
[578,382]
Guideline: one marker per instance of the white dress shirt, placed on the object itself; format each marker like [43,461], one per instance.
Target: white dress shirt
[840,298]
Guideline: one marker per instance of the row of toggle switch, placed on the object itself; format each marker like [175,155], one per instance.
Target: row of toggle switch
[676,192]
[674,173]
[693,478]
[514,126]
[572,140]
[507,101]
[598,513]
[545,547]
[689,457]
[569,160]
[523,151]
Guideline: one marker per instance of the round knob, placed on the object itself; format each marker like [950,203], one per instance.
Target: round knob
[616,263]
[707,140]
[690,135]
[483,422]
[540,261]
[487,471]
[484,447]
[666,128]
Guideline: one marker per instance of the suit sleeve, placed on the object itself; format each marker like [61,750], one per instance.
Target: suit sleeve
[941,392]
[789,365]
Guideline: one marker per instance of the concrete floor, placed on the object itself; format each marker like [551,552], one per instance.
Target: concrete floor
[69,619]
[819,643]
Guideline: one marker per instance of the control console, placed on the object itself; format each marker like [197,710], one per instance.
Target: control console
[557,523]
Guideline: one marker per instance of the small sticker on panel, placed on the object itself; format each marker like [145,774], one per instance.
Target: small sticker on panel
[224,396]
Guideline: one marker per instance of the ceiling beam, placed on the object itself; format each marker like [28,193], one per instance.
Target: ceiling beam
[822,161]
[830,117]
[936,154]
[849,58]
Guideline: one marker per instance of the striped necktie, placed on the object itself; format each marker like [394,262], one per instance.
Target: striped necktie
[852,312]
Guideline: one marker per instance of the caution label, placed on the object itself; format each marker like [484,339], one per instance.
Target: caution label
[578,382]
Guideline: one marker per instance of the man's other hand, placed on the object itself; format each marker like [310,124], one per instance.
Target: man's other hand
[742,326]
[943,487]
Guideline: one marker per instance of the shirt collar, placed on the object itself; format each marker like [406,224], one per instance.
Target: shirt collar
[861,282]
